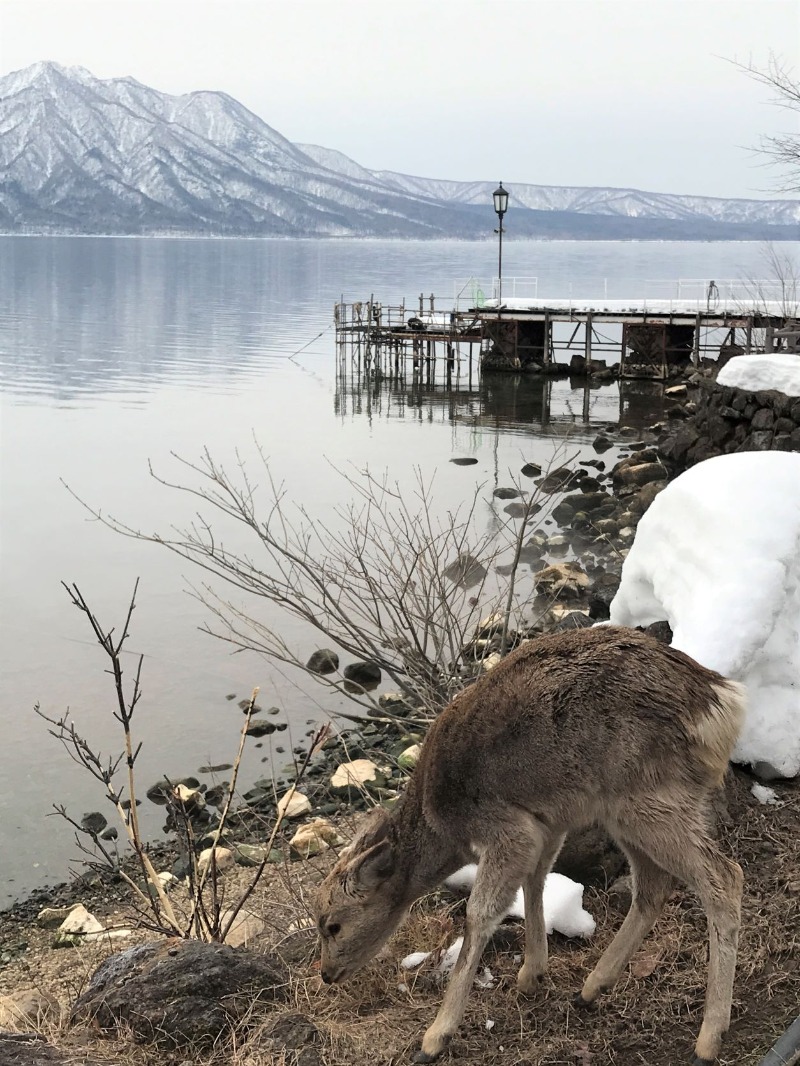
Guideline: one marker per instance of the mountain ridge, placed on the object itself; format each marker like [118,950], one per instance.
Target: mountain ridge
[80,154]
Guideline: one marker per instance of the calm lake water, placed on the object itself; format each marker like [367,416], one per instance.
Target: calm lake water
[115,353]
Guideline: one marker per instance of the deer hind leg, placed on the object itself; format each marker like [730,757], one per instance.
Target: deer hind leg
[678,841]
[501,869]
[534,967]
[652,886]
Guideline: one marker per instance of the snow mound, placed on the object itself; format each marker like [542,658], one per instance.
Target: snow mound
[717,554]
[562,899]
[778,370]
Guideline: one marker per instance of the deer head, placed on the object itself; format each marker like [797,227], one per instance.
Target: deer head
[360,903]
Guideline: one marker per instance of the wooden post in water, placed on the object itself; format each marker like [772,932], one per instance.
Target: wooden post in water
[696,345]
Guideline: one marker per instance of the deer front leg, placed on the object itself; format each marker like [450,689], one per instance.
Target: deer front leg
[500,871]
[534,966]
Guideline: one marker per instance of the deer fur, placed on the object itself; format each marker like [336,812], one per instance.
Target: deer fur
[592,725]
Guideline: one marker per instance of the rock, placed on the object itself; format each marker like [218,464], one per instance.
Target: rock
[560,479]
[294,1040]
[407,759]
[219,768]
[508,493]
[31,1049]
[223,858]
[161,790]
[356,775]
[465,461]
[574,620]
[180,992]
[323,661]
[27,1006]
[191,799]
[520,510]
[94,822]
[676,391]
[255,854]
[294,805]
[366,674]
[534,470]
[52,917]
[260,727]
[558,544]
[661,631]
[465,571]
[590,856]
[78,924]
[561,579]
[602,443]
[313,838]
[491,661]
[246,928]
[765,771]
[620,894]
[395,703]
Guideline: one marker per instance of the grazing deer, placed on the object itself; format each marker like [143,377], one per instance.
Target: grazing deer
[594,725]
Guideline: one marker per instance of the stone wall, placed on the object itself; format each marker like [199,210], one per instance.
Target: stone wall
[727,419]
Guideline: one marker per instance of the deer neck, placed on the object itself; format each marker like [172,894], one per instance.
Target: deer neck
[425,857]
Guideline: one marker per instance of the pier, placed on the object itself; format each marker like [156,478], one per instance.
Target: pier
[668,327]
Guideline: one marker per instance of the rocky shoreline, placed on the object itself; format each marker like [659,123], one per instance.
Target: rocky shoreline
[575,557]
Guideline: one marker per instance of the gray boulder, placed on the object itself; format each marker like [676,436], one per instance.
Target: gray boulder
[179,992]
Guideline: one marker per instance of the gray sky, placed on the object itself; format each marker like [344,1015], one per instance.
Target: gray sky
[563,92]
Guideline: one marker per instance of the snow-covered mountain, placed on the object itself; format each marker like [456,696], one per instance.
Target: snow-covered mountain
[82,155]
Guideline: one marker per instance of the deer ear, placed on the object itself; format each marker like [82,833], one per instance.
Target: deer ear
[372,867]
[372,830]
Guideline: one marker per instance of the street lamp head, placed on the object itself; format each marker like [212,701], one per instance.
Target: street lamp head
[500,197]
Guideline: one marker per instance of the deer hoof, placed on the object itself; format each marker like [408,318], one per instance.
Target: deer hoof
[583,1004]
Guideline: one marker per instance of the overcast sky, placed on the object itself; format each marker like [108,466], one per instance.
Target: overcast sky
[563,92]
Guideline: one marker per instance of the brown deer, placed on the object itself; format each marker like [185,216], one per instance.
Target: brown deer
[594,725]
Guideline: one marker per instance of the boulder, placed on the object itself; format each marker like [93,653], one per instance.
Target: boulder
[179,993]
[561,580]
[76,927]
[31,1049]
[260,727]
[223,857]
[313,838]
[246,928]
[465,571]
[27,1006]
[367,674]
[294,805]
[357,775]
[407,759]
[508,493]
[323,661]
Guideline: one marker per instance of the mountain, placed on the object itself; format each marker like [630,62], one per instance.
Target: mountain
[83,155]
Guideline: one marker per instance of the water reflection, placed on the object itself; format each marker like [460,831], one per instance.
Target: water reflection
[513,403]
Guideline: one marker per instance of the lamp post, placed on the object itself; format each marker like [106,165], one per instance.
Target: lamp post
[500,197]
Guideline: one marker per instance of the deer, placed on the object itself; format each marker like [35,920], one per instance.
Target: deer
[602,724]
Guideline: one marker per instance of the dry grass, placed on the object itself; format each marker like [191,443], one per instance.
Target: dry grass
[651,1018]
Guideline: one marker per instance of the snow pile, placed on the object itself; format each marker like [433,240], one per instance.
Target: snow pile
[764,794]
[718,555]
[778,370]
[562,898]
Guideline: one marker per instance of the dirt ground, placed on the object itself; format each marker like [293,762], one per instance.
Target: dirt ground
[651,1018]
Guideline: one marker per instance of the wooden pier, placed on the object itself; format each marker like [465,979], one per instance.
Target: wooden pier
[652,336]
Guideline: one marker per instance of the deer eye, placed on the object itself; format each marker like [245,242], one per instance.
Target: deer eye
[333,929]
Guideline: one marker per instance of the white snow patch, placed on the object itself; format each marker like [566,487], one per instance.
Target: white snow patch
[717,554]
[777,370]
[764,794]
[562,899]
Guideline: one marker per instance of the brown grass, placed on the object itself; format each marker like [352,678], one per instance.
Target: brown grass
[651,1018]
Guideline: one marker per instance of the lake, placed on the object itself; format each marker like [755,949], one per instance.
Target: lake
[119,352]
